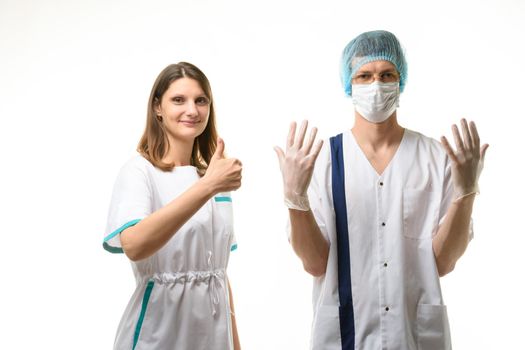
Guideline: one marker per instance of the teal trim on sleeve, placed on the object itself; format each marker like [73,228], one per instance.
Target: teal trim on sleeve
[114,250]
[233,247]
[145,300]
[116,232]
[120,229]
[223,199]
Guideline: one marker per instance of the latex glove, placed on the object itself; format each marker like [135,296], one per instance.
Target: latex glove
[297,165]
[467,160]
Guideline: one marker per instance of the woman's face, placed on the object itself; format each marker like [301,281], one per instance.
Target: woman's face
[185,109]
[382,71]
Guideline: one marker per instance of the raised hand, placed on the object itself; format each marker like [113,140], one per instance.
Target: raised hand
[467,160]
[223,174]
[297,165]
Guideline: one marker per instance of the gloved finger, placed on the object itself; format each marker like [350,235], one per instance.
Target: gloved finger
[475,135]
[291,135]
[449,150]
[311,139]
[280,155]
[315,152]
[483,151]
[467,139]
[457,138]
[300,135]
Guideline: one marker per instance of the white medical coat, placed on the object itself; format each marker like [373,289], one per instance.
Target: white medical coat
[181,299]
[392,219]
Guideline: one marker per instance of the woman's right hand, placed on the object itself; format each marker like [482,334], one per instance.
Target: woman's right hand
[223,174]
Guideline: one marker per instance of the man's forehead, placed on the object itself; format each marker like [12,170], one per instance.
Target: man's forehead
[377,66]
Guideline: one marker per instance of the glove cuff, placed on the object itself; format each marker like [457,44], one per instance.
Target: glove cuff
[297,202]
[474,191]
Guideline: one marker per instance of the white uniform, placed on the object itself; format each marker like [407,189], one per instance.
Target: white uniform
[395,291]
[181,300]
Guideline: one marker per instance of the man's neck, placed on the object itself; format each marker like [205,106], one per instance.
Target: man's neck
[376,136]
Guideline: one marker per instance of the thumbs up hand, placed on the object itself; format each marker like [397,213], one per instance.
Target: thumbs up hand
[223,174]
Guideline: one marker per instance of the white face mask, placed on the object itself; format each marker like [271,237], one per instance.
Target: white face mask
[377,101]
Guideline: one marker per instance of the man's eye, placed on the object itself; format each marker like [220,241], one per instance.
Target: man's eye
[362,77]
[390,76]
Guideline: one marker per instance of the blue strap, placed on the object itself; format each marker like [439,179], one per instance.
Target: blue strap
[346,309]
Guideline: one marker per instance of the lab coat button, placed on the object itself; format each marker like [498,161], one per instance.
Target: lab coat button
[383,224]
[387,308]
[381,184]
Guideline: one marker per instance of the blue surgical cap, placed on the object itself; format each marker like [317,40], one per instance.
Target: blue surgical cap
[378,45]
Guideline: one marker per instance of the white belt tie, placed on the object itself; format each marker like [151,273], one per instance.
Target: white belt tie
[215,279]
[216,282]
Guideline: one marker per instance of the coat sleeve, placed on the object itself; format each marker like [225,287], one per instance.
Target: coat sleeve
[131,202]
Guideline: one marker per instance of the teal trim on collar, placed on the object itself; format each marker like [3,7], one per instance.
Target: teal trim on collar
[145,300]
[116,232]
[233,247]
[223,199]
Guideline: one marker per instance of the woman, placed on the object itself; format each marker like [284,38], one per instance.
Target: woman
[171,215]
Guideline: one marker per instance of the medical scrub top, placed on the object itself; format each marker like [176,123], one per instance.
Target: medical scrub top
[392,218]
[181,299]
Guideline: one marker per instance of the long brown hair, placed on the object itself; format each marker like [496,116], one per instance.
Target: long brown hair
[154,143]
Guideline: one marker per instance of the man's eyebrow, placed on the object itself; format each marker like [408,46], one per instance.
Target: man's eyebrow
[388,70]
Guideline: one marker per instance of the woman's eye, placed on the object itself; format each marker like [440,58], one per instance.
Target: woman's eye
[178,100]
[202,101]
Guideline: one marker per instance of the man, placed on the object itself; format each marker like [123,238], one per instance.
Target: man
[379,213]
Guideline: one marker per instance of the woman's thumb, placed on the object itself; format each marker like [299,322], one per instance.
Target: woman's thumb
[219,151]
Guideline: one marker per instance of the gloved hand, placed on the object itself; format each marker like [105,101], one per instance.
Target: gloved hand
[467,161]
[297,165]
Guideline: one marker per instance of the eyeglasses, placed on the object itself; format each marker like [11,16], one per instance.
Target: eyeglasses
[369,77]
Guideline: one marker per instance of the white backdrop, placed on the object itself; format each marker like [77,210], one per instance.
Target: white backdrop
[74,82]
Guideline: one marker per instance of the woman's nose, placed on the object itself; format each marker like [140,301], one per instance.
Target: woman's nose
[191,108]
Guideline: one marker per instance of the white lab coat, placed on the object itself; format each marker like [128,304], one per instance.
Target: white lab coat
[181,299]
[392,218]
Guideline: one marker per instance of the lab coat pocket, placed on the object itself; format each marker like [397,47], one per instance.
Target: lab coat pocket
[420,213]
[432,327]
[326,334]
